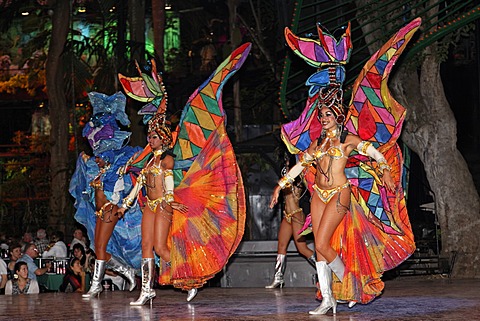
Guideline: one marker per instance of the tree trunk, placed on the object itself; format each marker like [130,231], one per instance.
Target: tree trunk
[121,36]
[431,131]
[55,73]
[158,18]
[235,40]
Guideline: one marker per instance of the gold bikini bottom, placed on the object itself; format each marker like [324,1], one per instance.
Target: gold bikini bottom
[290,216]
[101,212]
[153,204]
[326,194]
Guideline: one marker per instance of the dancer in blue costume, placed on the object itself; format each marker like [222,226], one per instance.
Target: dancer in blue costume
[99,185]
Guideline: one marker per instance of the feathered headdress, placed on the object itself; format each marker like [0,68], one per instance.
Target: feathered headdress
[328,55]
[158,125]
[102,131]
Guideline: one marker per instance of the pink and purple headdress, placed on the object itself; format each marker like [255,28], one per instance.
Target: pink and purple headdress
[328,55]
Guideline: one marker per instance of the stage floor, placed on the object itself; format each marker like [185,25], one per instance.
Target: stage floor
[404,298]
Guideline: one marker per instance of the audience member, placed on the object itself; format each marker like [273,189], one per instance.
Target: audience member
[57,247]
[30,253]
[21,284]
[27,238]
[79,253]
[42,241]
[15,254]
[3,274]
[3,242]
[78,238]
[74,279]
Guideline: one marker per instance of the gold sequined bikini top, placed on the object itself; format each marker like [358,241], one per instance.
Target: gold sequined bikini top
[335,152]
[97,182]
[154,169]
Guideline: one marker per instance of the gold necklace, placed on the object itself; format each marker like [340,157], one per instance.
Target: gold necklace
[332,133]
[158,152]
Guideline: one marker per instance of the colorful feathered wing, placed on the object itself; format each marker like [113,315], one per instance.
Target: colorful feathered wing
[379,218]
[375,235]
[203,239]
[204,112]
[209,182]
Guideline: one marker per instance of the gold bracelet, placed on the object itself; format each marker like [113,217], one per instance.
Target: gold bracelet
[169,197]
[306,160]
[285,181]
[383,165]
[127,203]
[363,146]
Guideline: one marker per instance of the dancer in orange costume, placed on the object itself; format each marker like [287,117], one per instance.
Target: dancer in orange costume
[358,211]
[205,190]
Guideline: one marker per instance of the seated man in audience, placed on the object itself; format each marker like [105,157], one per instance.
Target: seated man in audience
[30,253]
[42,241]
[27,238]
[57,247]
[77,239]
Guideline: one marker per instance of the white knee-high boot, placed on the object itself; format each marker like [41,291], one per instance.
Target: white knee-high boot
[278,281]
[325,280]
[337,267]
[127,272]
[96,286]
[147,292]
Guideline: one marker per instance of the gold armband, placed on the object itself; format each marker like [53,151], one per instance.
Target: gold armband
[285,181]
[306,160]
[168,172]
[362,147]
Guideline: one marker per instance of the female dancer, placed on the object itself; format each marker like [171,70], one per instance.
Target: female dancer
[103,179]
[331,199]
[358,210]
[291,224]
[196,240]
[157,178]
